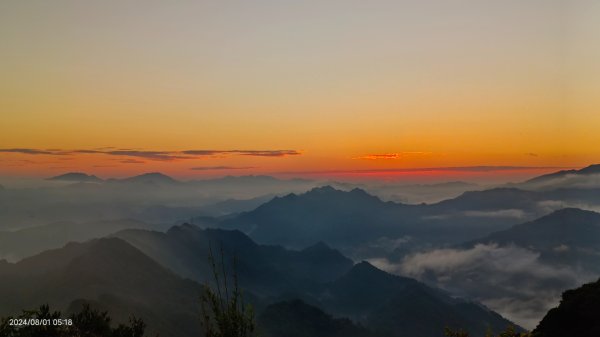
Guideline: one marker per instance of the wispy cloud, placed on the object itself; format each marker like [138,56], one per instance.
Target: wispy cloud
[256,153]
[153,154]
[131,161]
[33,151]
[388,156]
[270,153]
[203,152]
[511,280]
[216,168]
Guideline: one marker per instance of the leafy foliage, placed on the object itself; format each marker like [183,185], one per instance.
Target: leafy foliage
[224,313]
[577,315]
[509,332]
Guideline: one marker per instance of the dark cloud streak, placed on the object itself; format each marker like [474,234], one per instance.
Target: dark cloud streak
[156,155]
[211,168]
[256,153]
[33,151]
[152,155]
[276,153]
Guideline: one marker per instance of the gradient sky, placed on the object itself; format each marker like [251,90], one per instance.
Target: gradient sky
[298,88]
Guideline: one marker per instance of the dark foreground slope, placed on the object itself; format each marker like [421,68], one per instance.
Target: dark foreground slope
[577,315]
[110,274]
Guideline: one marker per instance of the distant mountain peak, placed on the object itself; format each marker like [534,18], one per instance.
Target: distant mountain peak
[571,210]
[367,273]
[328,190]
[76,177]
[495,190]
[183,228]
[569,217]
[591,169]
[323,189]
[571,213]
[357,190]
[154,175]
[151,177]
[568,226]
[289,196]
[319,246]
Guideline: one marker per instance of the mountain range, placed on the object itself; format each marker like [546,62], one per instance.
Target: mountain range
[518,272]
[588,170]
[318,275]
[584,178]
[355,220]
[513,248]
[18,244]
[152,198]
[359,224]
[76,177]
[264,270]
[114,275]
[152,178]
[568,237]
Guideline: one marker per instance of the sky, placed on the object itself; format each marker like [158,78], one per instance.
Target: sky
[337,88]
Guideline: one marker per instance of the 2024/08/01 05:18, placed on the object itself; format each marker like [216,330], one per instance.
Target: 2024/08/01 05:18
[40,321]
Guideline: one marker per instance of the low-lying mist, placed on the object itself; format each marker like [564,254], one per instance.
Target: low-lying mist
[509,280]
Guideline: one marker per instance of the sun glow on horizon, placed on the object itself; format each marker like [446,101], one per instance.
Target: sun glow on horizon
[271,87]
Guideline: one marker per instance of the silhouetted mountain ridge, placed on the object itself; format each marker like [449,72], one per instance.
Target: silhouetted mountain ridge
[492,199]
[567,225]
[591,169]
[114,275]
[348,219]
[263,269]
[569,237]
[26,242]
[576,315]
[148,178]
[323,213]
[76,177]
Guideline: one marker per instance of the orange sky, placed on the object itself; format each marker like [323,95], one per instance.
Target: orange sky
[346,87]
